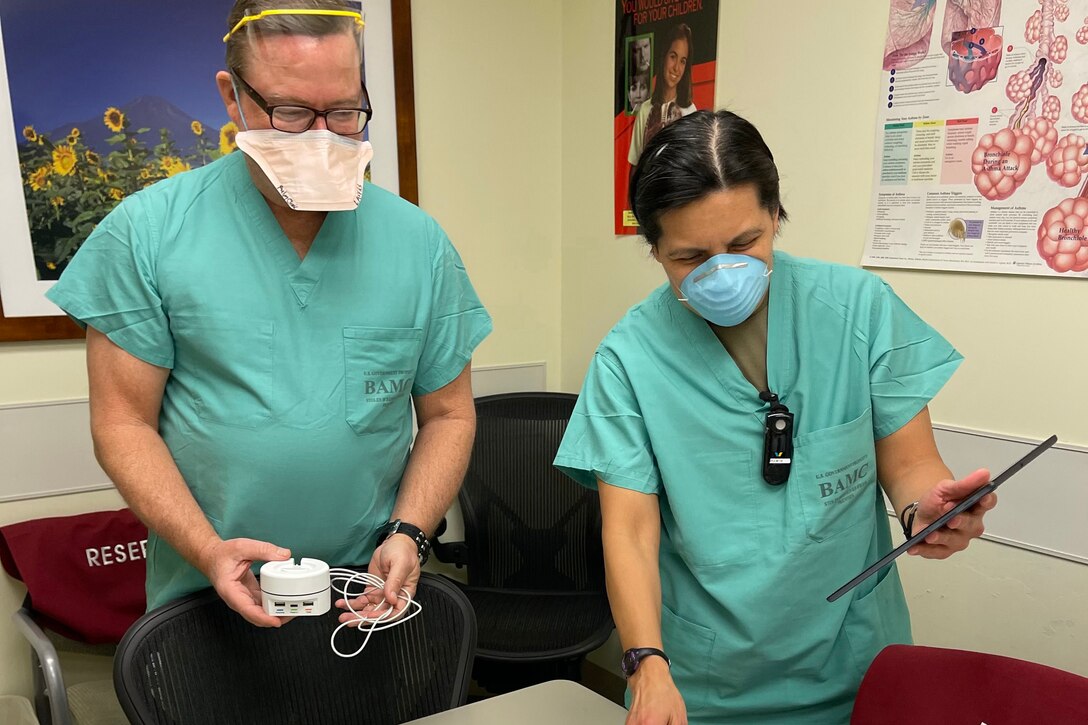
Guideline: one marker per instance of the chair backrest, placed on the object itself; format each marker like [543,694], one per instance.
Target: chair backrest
[196,662]
[527,526]
[908,685]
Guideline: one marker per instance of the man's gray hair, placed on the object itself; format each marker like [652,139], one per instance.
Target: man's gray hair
[316,25]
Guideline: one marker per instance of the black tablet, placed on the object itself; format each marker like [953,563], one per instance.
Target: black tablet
[959,508]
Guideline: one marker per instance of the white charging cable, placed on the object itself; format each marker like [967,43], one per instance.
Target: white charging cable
[385,617]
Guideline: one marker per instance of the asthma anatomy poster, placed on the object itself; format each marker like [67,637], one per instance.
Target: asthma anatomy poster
[981,160]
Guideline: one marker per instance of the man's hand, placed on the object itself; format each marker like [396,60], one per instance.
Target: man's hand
[396,562]
[654,697]
[957,534]
[227,564]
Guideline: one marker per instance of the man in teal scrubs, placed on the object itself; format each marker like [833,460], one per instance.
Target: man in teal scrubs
[717,575]
[254,356]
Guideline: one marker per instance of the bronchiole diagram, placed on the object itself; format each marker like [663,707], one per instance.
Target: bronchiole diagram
[1002,160]
[1063,242]
[910,27]
[972,42]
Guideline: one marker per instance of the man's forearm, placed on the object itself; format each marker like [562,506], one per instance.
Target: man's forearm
[136,459]
[435,471]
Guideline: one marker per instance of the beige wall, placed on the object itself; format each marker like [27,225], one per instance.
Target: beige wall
[513,121]
[35,371]
[807,76]
[487,116]
[603,274]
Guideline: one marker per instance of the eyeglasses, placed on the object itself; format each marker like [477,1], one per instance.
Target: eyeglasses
[296,119]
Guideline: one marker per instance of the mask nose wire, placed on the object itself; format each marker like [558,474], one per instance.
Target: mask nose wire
[718,268]
[706,274]
[712,270]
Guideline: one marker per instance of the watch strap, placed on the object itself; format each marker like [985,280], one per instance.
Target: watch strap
[633,657]
[397,526]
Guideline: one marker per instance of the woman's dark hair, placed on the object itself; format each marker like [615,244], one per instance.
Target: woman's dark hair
[683,88]
[700,154]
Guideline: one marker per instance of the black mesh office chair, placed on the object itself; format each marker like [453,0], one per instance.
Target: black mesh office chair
[532,546]
[196,662]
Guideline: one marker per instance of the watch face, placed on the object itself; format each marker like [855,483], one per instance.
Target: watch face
[629,663]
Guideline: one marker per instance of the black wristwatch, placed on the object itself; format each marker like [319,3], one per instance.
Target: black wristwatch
[634,656]
[396,526]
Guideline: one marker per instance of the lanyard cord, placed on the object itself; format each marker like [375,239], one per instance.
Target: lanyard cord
[386,617]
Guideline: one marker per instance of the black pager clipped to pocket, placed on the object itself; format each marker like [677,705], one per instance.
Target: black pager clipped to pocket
[777,441]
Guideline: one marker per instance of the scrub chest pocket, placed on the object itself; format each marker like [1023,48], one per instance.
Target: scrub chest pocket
[379,370]
[239,355]
[834,475]
[717,510]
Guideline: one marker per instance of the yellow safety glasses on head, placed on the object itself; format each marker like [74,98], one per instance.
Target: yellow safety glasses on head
[357,17]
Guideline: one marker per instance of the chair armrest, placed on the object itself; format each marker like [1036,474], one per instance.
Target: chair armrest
[448,552]
[452,552]
[50,665]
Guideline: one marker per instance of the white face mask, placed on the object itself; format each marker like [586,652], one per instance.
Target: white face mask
[313,170]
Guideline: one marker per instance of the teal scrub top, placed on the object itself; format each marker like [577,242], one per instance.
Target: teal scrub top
[746,566]
[288,405]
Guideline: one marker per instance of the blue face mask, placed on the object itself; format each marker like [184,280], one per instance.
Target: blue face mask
[727,288]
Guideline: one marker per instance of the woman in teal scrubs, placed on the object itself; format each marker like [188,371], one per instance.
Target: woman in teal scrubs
[713,560]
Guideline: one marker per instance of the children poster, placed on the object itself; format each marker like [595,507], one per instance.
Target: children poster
[666,53]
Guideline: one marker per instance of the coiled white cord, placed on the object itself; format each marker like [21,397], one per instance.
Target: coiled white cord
[385,617]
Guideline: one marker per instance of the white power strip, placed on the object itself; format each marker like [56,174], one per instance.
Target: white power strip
[296,590]
[305,590]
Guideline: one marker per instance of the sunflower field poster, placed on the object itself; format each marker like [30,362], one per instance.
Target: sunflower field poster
[98,99]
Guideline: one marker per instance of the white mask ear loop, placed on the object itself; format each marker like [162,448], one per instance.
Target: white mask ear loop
[386,618]
[238,100]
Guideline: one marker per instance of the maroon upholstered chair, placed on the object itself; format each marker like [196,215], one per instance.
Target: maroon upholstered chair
[84,576]
[909,685]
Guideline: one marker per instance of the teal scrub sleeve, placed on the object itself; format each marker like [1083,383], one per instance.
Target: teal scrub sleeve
[909,362]
[606,437]
[111,285]
[458,322]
